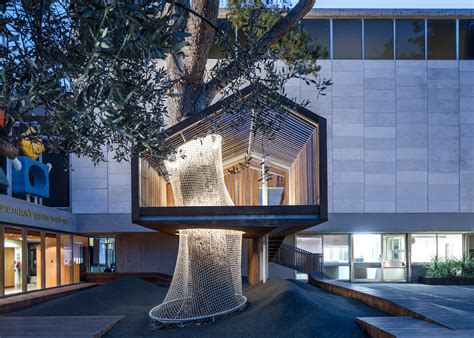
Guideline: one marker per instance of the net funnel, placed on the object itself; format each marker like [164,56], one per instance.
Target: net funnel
[207,277]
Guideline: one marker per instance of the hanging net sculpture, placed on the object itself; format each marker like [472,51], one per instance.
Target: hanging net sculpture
[207,278]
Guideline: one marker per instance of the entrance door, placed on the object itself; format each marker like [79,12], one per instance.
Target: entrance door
[9,267]
[367,256]
[394,263]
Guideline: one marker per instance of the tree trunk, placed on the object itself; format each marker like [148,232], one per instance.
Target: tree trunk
[191,93]
[188,70]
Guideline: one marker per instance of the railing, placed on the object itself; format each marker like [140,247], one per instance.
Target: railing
[298,259]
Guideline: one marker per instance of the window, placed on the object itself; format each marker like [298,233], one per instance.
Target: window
[102,258]
[367,248]
[319,31]
[33,261]
[347,38]
[58,180]
[441,39]
[311,244]
[410,39]
[450,246]
[378,39]
[423,248]
[51,257]
[66,259]
[336,248]
[13,261]
[80,257]
[466,39]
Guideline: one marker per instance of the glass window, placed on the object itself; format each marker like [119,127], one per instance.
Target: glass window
[51,258]
[102,257]
[441,39]
[450,246]
[33,261]
[466,39]
[378,39]
[423,248]
[311,244]
[347,39]
[319,30]
[80,254]
[367,248]
[336,248]
[340,272]
[410,36]
[13,260]
[66,259]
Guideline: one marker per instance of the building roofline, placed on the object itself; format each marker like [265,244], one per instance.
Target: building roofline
[388,13]
[326,13]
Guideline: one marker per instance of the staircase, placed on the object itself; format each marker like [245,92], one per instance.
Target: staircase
[274,244]
[297,259]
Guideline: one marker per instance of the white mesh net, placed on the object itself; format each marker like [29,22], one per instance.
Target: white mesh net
[207,277]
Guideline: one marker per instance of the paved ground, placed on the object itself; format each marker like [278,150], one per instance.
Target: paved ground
[449,305]
[278,308]
[440,309]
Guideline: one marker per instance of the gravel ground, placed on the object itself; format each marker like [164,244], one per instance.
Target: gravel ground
[279,308]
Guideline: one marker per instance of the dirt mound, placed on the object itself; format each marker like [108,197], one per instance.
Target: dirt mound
[279,308]
[114,297]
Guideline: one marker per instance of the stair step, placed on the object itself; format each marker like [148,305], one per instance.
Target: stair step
[405,327]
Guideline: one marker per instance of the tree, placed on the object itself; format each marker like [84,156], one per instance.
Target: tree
[83,74]
[266,34]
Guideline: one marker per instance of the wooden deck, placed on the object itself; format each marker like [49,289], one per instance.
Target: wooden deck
[52,326]
[430,307]
[23,301]
[407,327]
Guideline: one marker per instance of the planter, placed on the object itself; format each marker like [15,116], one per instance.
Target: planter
[446,281]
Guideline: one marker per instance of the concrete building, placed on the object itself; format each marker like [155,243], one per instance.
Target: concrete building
[400,117]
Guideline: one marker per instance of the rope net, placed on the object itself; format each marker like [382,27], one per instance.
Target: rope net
[207,276]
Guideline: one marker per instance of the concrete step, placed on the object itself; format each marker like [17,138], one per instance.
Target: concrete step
[385,327]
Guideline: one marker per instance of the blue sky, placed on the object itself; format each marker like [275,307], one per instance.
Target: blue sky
[442,4]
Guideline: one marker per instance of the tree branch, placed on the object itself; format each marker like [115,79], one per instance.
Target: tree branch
[276,33]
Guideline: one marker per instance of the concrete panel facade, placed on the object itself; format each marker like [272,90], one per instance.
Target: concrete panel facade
[400,140]
[104,188]
[401,135]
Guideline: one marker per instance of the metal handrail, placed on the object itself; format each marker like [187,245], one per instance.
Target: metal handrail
[298,259]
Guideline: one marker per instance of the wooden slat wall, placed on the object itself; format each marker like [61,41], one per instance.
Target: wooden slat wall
[153,187]
[304,175]
[242,187]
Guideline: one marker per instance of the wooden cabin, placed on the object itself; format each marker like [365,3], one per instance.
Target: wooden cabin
[296,173]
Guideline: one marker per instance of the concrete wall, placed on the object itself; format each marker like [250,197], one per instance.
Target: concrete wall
[401,135]
[104,188]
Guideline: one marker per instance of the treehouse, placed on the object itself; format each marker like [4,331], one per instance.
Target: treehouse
[278,185]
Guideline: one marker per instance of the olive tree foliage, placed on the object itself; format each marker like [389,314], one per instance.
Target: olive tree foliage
[83,73]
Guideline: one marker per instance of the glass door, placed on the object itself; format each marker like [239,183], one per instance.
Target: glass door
[367,253]
[394,264]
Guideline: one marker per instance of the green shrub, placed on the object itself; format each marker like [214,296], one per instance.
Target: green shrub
[466,266]
[450,268]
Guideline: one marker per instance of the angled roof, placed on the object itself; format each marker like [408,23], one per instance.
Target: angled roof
[298,126]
